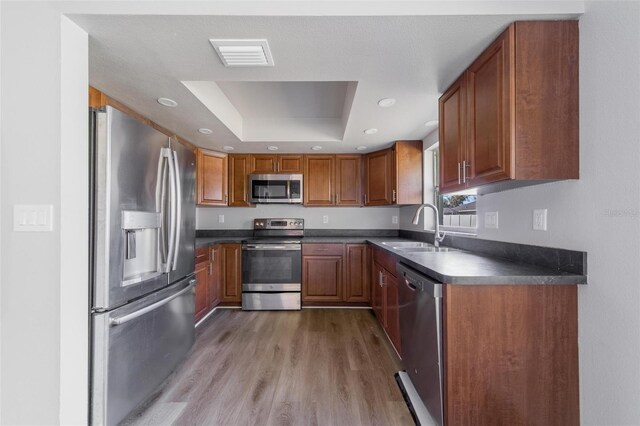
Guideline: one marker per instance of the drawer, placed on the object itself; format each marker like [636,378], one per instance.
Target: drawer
[386,260]
[322,249]
[202,254]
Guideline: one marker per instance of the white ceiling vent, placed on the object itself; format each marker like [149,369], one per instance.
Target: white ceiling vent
[243,53]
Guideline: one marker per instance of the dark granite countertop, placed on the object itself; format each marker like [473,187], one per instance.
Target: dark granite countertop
[464,267]
[456,267]
[207,241]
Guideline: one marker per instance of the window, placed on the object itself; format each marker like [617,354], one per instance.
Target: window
[457,211]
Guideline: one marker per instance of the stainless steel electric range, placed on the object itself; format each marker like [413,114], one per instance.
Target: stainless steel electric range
[272,265]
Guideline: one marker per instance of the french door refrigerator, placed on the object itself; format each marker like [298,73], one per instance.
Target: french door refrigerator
[142,250]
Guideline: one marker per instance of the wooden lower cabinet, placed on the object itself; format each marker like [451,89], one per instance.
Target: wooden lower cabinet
[231,273]
[202,289]
[385,302]
[322,278]
[335,274]
[510,352]
[215,275]
[356,273]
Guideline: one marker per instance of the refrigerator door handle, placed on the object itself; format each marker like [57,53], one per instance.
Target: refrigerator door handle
[178,204]
[129,317]
[161,194]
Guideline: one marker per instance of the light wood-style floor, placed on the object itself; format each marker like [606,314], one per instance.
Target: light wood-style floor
[309,367]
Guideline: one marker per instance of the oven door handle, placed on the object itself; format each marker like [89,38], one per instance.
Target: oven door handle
[253,247]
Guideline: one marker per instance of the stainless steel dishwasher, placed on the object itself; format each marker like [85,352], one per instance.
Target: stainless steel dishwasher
[421,337]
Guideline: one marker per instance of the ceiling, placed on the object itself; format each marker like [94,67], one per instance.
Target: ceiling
[329,73]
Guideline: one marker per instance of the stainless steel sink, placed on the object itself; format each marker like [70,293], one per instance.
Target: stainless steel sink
[406,244]
[430,249]
[416,247]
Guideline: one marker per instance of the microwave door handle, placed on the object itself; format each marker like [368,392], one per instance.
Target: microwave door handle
[288,189]
[178,204]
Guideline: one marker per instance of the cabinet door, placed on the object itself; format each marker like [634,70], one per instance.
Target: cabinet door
[378,294]
[392,306]
[231,274]
[289,164]
[408,172]
[379,178]
[318,180]
[357,273]
[490,109]
[211,178]
[263,163]
[215,271]
[239,165]
[202,287]
[322,279]
[452,114]
[348,181]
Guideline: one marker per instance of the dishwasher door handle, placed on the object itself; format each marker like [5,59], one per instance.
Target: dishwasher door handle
[409,284]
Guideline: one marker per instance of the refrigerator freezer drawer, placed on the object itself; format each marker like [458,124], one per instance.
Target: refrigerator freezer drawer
[136,347]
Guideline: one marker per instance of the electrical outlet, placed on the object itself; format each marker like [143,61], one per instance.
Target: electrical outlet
[394,219]
[325,219]
[540,220]
[220,218]
[491,220]
[33,218]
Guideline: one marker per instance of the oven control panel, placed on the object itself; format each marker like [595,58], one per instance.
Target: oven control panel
[279,223]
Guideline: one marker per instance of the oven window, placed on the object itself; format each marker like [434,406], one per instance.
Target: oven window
[271,266]
[269,189]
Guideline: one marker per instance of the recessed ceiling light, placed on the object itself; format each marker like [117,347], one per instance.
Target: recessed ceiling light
[316,148]
[361,148]
[386,102]
[205,131]
[167,102]
[371,131]
[272,148]
[228,148]
[431,123]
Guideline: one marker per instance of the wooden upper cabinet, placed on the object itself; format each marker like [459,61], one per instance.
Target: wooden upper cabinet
[394,175]
[513,114]
[239,166]
[490,109]
[453,135]
[211,177]
[319,180]
[263,163]
[379,172]
[290,163]
[348,180]
[409,177]
[273,163]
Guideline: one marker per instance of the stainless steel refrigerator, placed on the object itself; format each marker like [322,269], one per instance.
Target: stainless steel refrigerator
[142,249]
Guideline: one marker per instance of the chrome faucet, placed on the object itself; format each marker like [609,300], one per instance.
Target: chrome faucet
[438,238]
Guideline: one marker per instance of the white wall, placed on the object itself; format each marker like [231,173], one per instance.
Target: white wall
[339,217]
[30,175]
[35,116]
[599,214]
[74,225]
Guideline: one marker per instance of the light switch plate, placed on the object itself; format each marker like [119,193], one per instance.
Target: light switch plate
[220,218]
[394,219]
[33,218]
[491,220]
[540,220]
[325,219]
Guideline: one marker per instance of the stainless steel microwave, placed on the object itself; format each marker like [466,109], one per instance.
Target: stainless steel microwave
[275,188]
